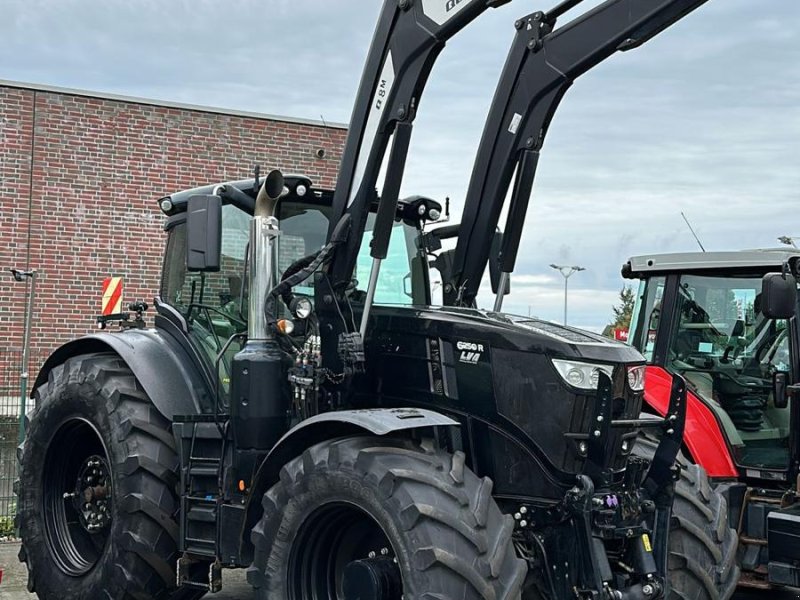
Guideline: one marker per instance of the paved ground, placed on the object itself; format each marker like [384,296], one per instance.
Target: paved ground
[15,577]
[235,587]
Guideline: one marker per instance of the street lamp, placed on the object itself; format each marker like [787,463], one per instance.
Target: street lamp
[567,271]
[20,276]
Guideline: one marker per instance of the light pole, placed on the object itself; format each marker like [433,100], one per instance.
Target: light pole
[21,276]
[567,271]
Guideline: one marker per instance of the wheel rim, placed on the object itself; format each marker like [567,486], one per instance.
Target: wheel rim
[77,498]
[340,546]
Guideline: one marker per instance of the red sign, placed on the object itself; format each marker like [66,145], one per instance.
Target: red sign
[620,334]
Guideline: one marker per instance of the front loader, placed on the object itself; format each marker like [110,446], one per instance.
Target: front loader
[299,407]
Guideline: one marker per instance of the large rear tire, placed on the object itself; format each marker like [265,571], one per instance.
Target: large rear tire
[702,547]
[403,518]
[97,488]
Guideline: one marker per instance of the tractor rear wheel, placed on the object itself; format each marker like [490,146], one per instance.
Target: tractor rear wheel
[97,488]
[702,547]
[379,518]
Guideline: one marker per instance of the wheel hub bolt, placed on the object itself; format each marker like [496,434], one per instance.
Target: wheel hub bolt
[648,589]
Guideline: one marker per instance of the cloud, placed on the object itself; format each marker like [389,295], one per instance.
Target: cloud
[705,118]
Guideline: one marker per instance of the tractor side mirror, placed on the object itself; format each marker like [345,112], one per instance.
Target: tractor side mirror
[494,264]
[780,396]
[203,233]
[778,296]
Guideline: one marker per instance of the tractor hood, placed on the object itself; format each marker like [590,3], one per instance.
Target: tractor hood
[502,330]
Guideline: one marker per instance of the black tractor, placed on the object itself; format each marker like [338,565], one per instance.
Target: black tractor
[300,408]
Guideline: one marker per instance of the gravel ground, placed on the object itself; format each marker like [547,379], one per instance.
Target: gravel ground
[234,585]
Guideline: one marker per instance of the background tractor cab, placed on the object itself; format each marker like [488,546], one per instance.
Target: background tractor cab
[727,322]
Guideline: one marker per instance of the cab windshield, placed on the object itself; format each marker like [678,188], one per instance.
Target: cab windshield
[728,351]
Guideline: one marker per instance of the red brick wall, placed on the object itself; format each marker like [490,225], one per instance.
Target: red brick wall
[97,167]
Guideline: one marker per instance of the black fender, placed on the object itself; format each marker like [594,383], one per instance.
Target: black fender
[162,367]
[327,426]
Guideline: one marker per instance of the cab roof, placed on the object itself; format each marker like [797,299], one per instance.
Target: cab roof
[766,259]
[178,200]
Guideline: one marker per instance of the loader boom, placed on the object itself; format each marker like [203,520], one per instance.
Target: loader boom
[541,66]
[407,41]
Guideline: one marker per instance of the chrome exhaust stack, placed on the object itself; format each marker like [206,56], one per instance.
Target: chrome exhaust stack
[264,230]
[258,399]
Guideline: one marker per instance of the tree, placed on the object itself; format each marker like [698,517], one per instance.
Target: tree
[624,310]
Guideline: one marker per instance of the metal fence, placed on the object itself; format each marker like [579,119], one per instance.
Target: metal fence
[10,369]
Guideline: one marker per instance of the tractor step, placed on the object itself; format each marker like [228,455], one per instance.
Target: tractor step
[199,574]
[201,449]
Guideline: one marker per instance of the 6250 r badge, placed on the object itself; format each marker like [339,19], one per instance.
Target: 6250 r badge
[469,352]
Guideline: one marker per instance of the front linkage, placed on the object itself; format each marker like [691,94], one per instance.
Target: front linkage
[608,538]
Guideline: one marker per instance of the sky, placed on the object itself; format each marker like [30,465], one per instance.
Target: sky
[704,119]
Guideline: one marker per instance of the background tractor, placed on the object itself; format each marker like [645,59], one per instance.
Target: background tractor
[727,323]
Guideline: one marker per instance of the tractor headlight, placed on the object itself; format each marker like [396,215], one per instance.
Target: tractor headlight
[636,378]
[580,374]
[301,307]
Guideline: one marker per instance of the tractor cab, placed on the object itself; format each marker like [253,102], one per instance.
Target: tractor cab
[215,302]
[703,316]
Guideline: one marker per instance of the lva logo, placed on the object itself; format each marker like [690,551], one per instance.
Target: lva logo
[470,352]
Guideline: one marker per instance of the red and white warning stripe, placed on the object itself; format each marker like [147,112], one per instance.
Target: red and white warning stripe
[112,296]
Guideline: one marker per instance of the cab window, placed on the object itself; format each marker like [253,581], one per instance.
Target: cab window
[401,279]
[646,315]
[213,304]
[212,300]
[728,352]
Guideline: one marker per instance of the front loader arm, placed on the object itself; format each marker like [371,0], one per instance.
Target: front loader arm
[541,66]
[408,38]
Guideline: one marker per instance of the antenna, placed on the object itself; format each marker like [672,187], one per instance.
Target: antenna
[320,152]
[689,225]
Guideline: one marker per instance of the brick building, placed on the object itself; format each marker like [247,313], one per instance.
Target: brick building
[80,174]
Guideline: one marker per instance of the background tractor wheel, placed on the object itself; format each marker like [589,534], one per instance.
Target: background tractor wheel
[702,548]
[97,488]
[376,518]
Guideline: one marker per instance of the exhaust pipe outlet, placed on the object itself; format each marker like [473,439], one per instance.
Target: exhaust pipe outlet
[268,195]
[264,229]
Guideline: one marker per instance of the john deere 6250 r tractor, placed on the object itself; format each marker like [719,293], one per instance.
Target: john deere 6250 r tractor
[300,409]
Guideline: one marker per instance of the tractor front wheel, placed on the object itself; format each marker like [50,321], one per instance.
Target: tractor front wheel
[383,519]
